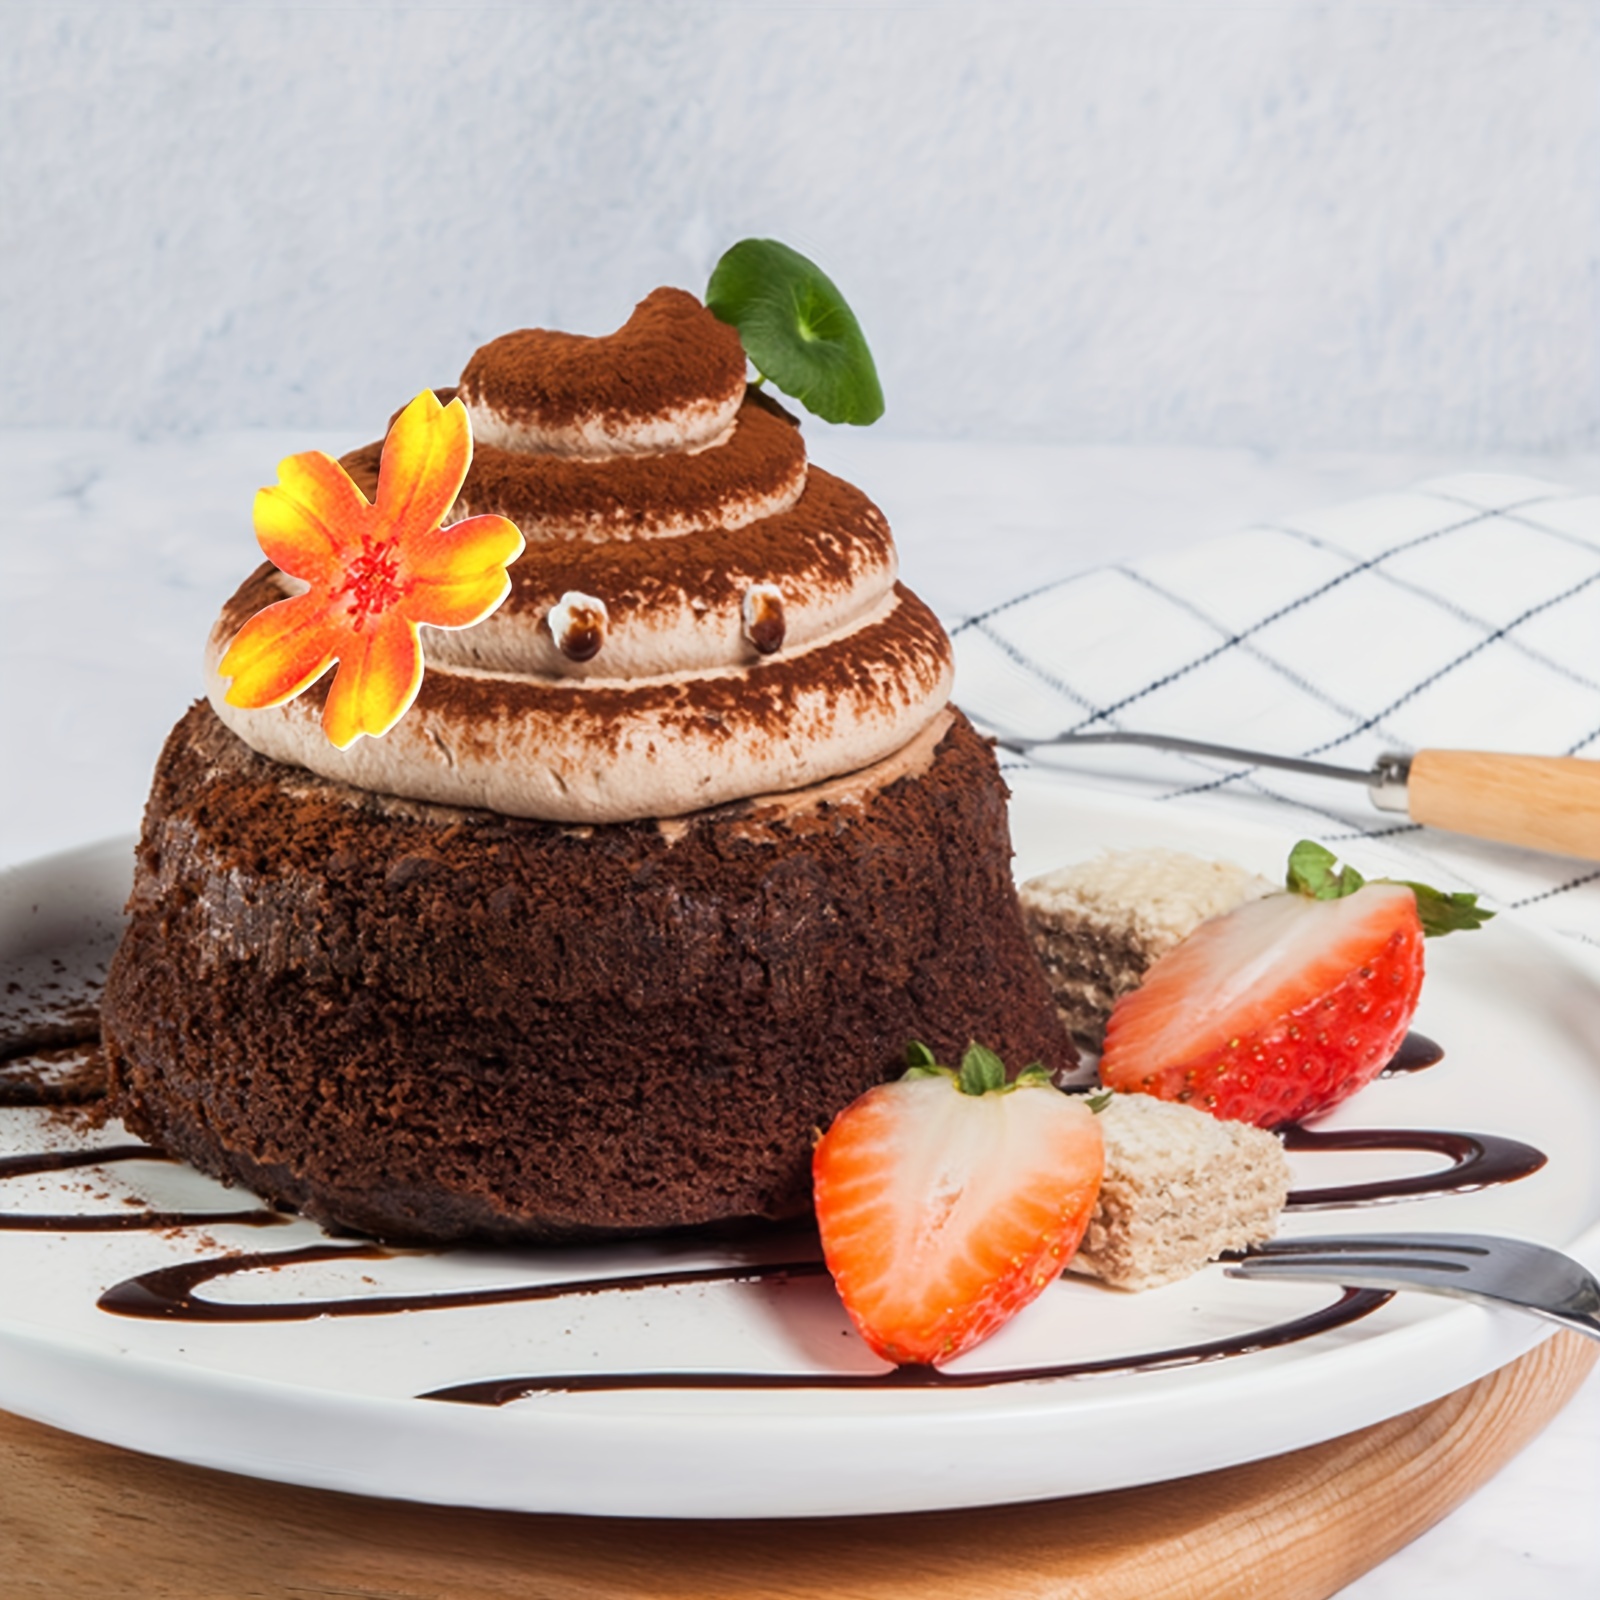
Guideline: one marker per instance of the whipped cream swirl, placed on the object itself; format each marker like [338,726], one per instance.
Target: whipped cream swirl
[699,617]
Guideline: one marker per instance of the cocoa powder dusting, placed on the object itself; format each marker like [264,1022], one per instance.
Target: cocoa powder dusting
[72,1074]
[632,497]
[669,354]
[831,538]
[827,543]
[622,497]
[906,646]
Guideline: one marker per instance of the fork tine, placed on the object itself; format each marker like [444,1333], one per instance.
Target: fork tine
[1330,1266]
[1418,1246]
[1511,1272]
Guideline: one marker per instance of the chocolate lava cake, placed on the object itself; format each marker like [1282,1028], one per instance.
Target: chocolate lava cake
[667,863]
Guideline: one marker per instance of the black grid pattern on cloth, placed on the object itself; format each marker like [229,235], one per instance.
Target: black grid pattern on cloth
[1463,613]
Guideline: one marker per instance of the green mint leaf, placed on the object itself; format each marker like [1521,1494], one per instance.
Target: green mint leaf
[1311,873]
[1442,913]
[981,1070]
[797,329]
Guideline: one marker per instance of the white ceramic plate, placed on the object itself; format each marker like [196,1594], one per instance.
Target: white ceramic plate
[332,1401]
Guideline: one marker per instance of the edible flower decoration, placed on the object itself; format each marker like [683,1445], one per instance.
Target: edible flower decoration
[374,573]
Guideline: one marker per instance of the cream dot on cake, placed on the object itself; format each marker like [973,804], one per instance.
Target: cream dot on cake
[578,624]
[762,610]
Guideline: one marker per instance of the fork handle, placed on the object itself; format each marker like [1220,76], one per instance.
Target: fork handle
[1543,802]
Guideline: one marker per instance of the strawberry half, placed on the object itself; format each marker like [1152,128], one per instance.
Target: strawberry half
[947,1202]
[1287,1005]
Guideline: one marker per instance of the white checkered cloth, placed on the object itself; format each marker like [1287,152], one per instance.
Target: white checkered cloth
[1461,614]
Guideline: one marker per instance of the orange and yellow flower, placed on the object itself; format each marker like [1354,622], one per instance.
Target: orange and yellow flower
[375,572]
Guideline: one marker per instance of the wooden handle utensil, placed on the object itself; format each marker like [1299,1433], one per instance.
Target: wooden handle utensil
[1547,803]
[1541,802]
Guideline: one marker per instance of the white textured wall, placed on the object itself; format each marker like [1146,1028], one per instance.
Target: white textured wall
[1272,225]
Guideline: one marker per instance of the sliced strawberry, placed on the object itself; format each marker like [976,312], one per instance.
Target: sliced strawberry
[1274,1011]
[946,1204]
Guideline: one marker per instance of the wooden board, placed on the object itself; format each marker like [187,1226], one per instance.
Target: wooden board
[80,1520]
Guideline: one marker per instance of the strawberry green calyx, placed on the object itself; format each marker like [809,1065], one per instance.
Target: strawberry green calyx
[982,1071]
[1312,872]
[1445,913]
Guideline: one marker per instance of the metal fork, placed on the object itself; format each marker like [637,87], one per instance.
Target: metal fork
[1472,1266]
[1540,802]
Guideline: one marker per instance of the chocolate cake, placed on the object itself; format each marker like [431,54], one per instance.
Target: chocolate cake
[668,861]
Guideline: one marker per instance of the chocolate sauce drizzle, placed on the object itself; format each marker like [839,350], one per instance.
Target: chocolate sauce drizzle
[169,1292]
[1478,1160]
[111,1221]
[172,1293]
[1416,1051]
[1351,1304]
